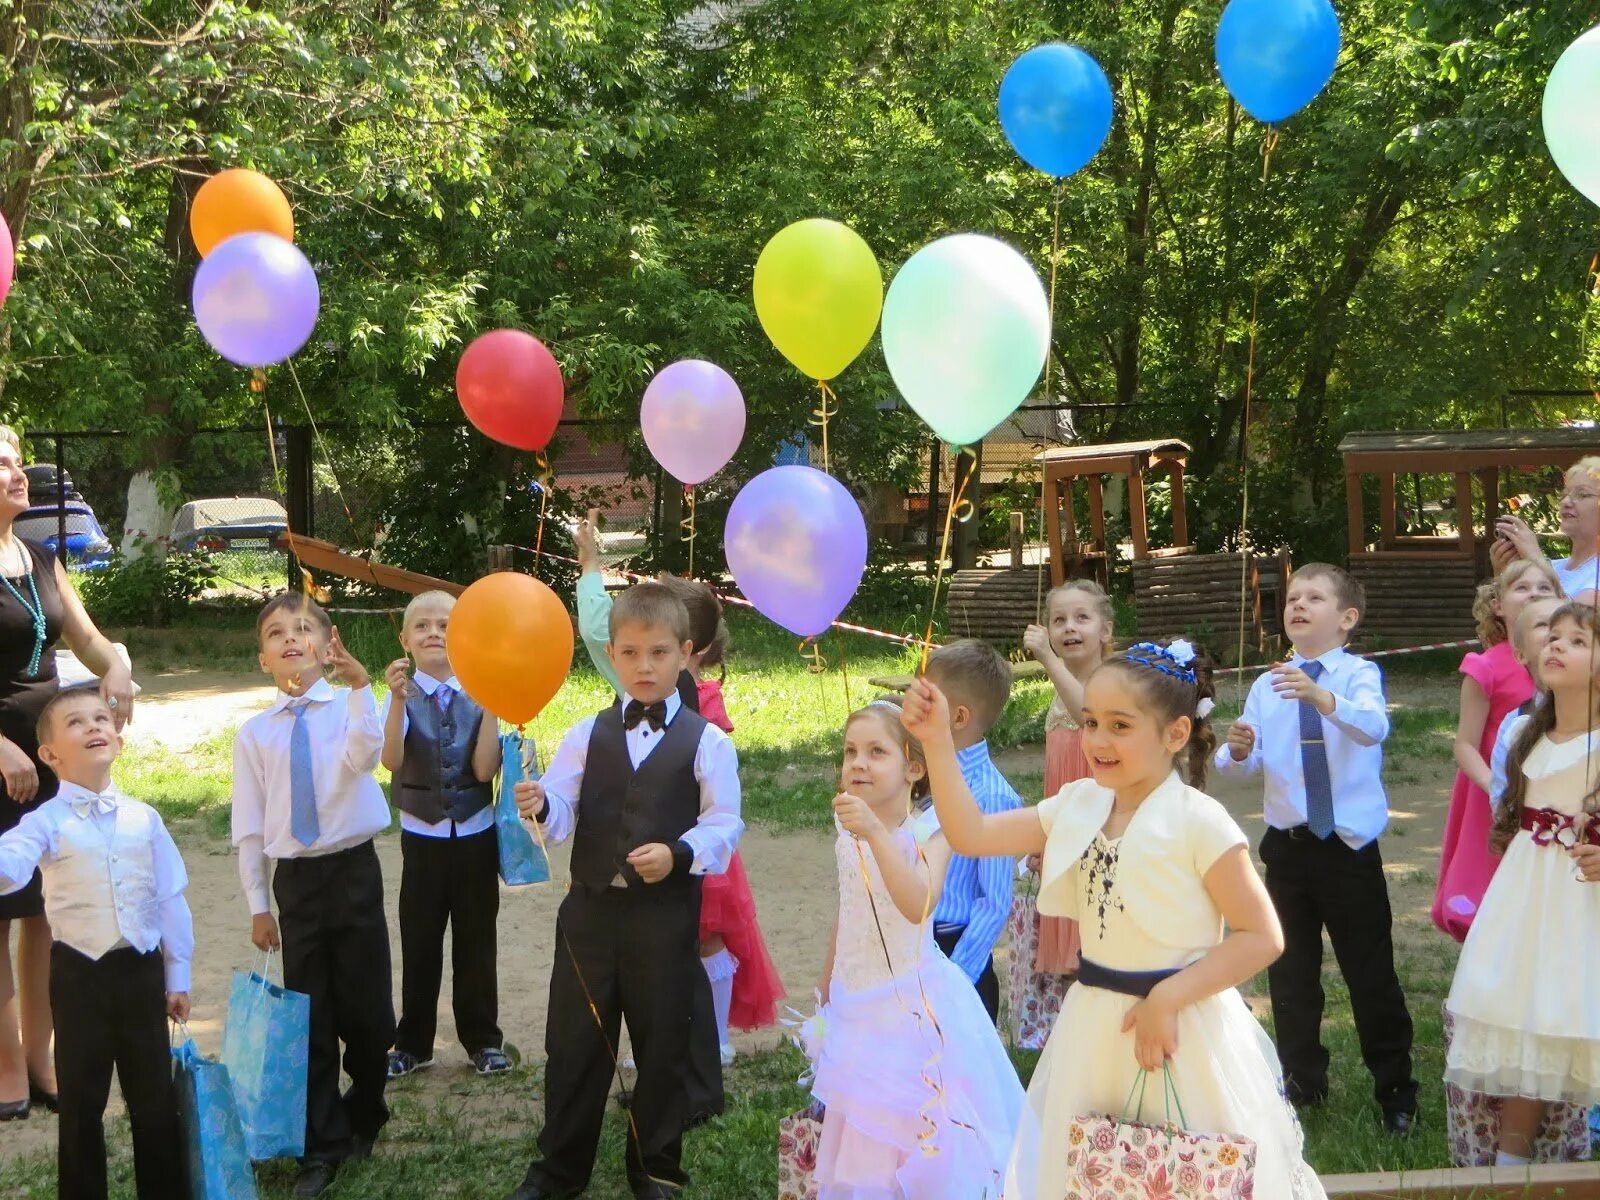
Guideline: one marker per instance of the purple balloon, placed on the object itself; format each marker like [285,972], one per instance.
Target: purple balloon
[797,547]
[693,419]
[255,299]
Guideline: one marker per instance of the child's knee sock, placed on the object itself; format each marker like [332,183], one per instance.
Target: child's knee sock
[1502,1159]
[720,968]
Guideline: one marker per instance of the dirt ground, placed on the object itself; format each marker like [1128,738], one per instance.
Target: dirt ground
[792,876]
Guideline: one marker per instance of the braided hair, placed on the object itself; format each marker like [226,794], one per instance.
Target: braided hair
[1175,681]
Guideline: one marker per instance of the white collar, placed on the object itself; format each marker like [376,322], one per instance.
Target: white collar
[318,692]
[673,702]
[1329,659]
[428,685]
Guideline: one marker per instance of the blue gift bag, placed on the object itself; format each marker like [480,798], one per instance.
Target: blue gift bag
[264,1047]
[219,1165]
[522,860]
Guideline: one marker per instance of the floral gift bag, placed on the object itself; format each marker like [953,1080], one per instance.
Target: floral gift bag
[1033,998]
[1113,1158]
[797,1154]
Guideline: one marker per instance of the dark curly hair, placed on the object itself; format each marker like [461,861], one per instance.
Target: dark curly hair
[1162,686]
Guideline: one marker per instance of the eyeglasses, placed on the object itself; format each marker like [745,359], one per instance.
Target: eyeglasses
[1580,497]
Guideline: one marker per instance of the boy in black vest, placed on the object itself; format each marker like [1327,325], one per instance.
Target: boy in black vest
[444,751]
[649,793]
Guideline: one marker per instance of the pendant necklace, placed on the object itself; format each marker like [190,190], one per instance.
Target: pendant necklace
[34,610]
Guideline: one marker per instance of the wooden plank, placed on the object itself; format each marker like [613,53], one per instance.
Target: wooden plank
[1097,511]
[1353,513]
[1180,516]
[1469,546]
[1386,513]
[1052,521]
[1571,1181]
[1137,519]
[325,556]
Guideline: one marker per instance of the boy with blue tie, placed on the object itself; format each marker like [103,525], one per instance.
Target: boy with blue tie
[1315,725]
[305,811]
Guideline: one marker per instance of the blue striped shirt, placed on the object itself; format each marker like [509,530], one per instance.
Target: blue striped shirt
[977,891]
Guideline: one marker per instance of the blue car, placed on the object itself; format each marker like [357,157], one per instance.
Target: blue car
[88,548]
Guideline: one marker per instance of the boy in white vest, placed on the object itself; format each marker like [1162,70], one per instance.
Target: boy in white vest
[113,890]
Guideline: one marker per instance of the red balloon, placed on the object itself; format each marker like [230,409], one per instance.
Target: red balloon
[510,388]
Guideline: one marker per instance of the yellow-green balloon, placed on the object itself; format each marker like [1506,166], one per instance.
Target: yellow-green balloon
[818,293]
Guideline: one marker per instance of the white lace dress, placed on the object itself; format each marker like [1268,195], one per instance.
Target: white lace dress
[1526,995]
[922,1102]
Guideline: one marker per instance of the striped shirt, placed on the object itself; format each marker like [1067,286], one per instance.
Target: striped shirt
[977,892]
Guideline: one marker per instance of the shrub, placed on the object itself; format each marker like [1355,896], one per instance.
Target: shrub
[150,589]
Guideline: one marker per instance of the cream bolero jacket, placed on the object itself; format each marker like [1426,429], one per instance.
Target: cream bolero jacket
[1174,838]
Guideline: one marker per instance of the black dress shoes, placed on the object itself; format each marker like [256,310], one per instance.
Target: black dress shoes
[1400,1123]
[47,1100]
[314,1179]
[15,1110]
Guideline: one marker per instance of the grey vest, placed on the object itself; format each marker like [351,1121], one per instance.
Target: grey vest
[435,780]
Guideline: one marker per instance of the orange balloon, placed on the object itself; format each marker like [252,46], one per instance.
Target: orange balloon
[510,644]
[238,201]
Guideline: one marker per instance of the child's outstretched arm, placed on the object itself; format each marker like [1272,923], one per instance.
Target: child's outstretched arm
[1068,686]
[913,885]
[1469,732]
[1255,939]
[926,714]
[594,602]
[22,847]
[486,751]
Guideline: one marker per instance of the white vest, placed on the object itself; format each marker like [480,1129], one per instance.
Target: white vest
[99,892]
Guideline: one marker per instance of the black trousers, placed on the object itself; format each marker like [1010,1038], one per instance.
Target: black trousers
[637,956]
[704,1078]
[987,983]
[450,881]
[336,950]
[112,1011]
[1318,884]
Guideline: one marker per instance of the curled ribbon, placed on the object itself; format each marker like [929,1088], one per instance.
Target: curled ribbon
[543,477]
[827,405]
[961,509]
[687,524]
[811,650]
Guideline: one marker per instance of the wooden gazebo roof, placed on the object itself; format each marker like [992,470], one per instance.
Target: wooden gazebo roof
[1119,458]
[1455,450]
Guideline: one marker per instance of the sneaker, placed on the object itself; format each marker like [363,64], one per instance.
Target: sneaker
[728,1054]
[491,1061]
[402,1063]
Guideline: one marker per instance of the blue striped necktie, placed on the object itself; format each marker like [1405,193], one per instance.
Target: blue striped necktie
[302,779]
[1314,762]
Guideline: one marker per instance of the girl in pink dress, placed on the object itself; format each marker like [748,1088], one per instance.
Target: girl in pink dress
[1493,685]
[1072,643]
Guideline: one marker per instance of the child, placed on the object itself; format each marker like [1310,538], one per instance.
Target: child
[1076,641]
[1537,1041]
[444,752]
[649,793]
[743,986]
[1315,725]
[975,900]
[1151,868]
[1528,634]
[305,799]
[113,889]
[1493,684]
[896,1128]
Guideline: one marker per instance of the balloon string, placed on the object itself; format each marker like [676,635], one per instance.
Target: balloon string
[1244,478]
[827,405]
[544,503]
[844,673]
[1049,381]
[1268,145]
[687,524]
[960,509]
[811,651]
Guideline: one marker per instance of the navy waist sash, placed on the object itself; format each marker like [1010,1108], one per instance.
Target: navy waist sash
[1128,983]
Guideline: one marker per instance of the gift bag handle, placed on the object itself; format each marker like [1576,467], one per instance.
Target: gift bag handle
[1169,1096]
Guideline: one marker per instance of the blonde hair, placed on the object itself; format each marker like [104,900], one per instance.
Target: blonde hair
[424,600]
[1491,625]
[1588,465]
[887,709]
[1524,625]
[1097,596]
[10,437]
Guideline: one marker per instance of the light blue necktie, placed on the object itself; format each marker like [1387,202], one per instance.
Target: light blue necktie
[302,780]
[1314,763]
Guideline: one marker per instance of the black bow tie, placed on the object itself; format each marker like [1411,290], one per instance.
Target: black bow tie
[635,712]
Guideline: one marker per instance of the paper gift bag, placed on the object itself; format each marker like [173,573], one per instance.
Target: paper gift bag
[1033,998]
[219,1164]
[264,1047]
[798,1137]
[522,860]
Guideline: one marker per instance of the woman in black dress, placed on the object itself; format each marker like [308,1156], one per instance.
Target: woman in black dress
[37,608]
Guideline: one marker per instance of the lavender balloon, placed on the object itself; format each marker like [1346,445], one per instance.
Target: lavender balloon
[693,419]
[797,547]
[256,299]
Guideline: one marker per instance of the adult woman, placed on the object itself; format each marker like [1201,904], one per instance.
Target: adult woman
[1580,523]
[37,608]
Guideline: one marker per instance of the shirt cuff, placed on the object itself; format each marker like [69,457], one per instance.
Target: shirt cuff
[177,976]
[682,857]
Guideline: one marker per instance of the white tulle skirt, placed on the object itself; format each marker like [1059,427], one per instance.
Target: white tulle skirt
[1526,995]
[1225,1072]
[914,1113]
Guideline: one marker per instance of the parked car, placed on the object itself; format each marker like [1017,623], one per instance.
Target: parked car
[229,523]
[88,548]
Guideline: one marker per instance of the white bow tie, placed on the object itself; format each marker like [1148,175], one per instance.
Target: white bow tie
[89,803]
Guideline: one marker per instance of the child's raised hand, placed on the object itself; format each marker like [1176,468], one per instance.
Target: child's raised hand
[925,712]
[1036,641]
[1586,860]
[1155,1031]
[653,861]
[587,541]
[856,816]
[398,676]
[529,795]
[346,667]
[1241,740]
[1292,683]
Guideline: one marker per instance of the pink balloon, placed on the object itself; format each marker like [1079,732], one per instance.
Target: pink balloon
[8,260]
[693,419]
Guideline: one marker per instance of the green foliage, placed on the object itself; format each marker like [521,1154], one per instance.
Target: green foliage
[150,587]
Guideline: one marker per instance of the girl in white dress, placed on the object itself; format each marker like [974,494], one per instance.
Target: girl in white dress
[922,1102]
[1150,868]
[1527,1022]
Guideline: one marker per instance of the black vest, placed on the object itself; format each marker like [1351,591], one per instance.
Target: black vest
[621,809]
[435,781]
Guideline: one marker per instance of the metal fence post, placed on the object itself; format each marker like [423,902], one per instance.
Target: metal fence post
[297,490]
[61,499]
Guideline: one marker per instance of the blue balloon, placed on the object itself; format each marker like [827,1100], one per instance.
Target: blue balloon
[1055,108]
[1276,55]
[256,299]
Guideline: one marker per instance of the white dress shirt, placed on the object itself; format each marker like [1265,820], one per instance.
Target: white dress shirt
[112,876]
[1353,738]
[479,821]
[346,742]
[712,839]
